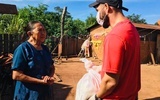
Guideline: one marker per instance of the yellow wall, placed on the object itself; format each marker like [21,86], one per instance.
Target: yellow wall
[97,37]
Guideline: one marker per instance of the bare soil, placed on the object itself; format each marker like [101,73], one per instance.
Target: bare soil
[72,69]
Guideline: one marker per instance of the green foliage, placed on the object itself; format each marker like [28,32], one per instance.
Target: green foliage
[91,20]
[14,24]
[80,25]
[5,21]
[136,19]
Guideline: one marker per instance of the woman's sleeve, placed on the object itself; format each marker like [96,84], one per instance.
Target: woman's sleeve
[19,59]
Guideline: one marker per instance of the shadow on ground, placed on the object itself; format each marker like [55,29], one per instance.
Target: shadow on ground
[156,98]
[61,91]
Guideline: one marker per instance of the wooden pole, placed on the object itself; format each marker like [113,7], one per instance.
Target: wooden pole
[152,57]
[62,32]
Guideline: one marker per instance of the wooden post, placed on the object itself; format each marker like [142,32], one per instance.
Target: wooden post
[152,57]
[62,33]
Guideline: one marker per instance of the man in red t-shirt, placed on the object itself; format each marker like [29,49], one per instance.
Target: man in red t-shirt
[121,60]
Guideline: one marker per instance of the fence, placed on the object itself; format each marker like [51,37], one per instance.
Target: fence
[70,46]
[8,42]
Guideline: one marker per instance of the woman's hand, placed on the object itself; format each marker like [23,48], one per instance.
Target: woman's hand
[48,80]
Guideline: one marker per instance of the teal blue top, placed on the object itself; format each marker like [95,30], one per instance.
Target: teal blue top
[34,63]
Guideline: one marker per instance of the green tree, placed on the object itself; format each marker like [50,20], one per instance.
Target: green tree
[90,21]
[136,19]
[5,21]
[14,24]
[80,26]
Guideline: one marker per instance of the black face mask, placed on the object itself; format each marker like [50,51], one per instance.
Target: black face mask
[106,22]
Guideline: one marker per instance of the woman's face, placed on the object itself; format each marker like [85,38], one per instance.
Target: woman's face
[38,33]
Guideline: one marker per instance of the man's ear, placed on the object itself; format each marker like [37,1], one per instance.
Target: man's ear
[107,7]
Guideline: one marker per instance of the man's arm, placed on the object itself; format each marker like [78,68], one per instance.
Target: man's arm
[108,84]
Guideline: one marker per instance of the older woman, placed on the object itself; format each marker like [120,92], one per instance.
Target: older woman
[32,66]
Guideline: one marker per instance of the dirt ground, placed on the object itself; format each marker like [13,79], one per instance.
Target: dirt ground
[72,69]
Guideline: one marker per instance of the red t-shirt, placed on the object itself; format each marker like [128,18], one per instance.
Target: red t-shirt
[122,56]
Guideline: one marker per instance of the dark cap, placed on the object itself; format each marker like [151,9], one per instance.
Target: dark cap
[113,3]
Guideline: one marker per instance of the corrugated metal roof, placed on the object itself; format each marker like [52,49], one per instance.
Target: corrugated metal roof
[8,9]
[147,26]
[137,25]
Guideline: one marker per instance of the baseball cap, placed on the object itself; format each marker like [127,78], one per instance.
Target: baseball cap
[113,3]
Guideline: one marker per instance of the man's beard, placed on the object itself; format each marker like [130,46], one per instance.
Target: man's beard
[106,22]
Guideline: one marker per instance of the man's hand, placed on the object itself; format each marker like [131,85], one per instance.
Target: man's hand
[94,97]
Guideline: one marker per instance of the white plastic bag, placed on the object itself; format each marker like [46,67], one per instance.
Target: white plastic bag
[88,64]
[89,84]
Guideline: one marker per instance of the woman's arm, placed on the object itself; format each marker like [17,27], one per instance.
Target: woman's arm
[20,76]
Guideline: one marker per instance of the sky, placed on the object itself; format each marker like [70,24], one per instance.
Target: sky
[79,9]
